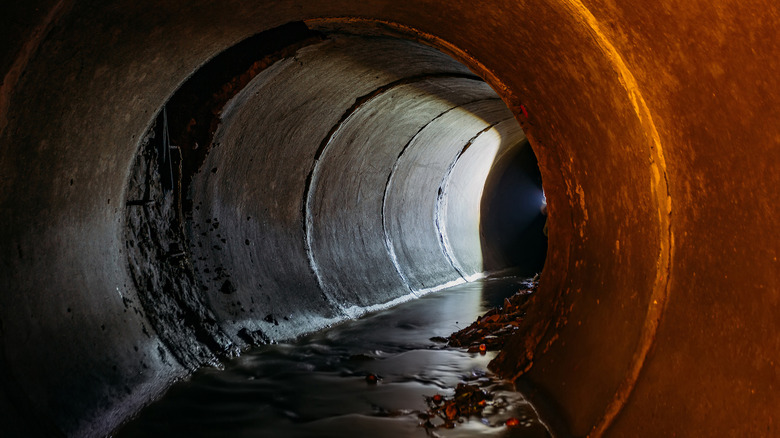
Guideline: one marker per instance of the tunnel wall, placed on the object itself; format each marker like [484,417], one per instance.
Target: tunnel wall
[292,205]
[361,160]
[427,150]
[655,131]
[476,161]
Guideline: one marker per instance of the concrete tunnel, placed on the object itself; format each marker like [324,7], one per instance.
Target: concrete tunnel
[179,181]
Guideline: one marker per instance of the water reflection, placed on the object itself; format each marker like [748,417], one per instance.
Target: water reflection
[316,386]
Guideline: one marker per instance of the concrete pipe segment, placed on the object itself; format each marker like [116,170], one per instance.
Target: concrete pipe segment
[179,180]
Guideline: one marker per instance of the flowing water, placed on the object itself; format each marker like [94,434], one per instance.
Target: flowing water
[316,386]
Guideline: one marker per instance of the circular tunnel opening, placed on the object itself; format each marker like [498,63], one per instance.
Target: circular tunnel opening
[604,286]
[301,178]
[514,213]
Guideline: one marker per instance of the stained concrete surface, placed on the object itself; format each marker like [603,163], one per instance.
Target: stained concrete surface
[656,137]
[257,222]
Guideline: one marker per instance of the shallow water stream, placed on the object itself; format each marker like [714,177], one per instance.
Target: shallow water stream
[316,386]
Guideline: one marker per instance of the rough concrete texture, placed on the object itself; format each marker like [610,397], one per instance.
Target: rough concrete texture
[459,202]
[654,125]
[350,183]
[163,275]
[261,229]
[413,223]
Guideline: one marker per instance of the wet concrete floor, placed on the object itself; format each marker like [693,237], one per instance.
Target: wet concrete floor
[316,386]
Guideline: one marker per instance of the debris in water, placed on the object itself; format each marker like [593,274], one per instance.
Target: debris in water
[470,400]
[372,379]
[512,422]
[490,331]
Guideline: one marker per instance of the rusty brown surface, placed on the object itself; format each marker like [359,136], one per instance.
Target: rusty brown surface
[626,103]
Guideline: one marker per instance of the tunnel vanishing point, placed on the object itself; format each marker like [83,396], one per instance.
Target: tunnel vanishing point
[181,180]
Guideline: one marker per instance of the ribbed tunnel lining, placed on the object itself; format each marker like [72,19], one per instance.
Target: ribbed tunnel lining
[598,86]
[246,200]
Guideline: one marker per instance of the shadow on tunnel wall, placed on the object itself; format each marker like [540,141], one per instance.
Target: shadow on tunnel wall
[512,221]
[346,176]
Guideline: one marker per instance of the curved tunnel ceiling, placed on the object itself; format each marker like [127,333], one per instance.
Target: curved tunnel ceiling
[328,188]
[658,152]
[347,176]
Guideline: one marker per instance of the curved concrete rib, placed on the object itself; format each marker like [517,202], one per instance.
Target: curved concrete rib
[659,298]
[349,182]
[264,246]
[459,209]
[410,203]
